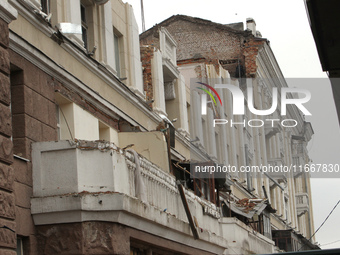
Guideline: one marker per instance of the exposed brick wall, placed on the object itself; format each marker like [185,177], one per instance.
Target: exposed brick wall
[152,40]
[147,53]
[204,41]
[201,40]
[7,202]
[251,49]
[77,98]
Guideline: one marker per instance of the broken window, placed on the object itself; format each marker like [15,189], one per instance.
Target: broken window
[202,187]
[288,240]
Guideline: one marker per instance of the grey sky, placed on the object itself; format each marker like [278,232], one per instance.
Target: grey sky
[285,24]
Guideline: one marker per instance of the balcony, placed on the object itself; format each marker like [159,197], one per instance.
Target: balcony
[243,238]
[302,203]
[271,128]
[298,149]
[78,181]
[96,181]
[168,45]
[279,176]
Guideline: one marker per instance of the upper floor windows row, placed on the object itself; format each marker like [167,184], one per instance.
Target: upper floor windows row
[106,30]
[92,27]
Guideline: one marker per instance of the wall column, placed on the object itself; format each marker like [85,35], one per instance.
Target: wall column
[8,241]
[73,16]
[183,114]
[107,57]
[158,83]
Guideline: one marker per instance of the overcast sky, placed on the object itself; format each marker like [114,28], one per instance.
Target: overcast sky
[285,25]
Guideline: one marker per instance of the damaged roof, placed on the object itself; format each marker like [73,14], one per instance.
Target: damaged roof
[198,21]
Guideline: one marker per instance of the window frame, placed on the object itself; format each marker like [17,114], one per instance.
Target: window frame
[20,246]
[84,25]
[45,6]
[117,47]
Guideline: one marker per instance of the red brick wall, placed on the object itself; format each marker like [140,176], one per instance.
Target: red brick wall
[195,40]
[251,49]
[199,40]
[147,53]
[152,40]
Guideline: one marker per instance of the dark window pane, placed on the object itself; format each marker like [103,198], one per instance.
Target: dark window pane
[45,6]
[83,13]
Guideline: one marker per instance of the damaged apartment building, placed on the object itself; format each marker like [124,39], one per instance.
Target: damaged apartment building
[99,127]
[211,53]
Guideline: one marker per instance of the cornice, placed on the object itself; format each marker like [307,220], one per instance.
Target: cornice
[7,12]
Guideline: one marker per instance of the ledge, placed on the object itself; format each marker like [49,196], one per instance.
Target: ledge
[7,12]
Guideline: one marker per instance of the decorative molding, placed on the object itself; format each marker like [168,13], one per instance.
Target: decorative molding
[43,62]
[172,69]
[7,12]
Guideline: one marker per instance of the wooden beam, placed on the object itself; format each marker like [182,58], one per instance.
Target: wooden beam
[187,210]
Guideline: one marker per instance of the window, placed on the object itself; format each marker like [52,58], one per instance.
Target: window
[20,246]
[248,174]
[205,131]
[249,182]
[136,251]
[267,229]
[205,188]
[229,154]
[84,27]
[287,209]
[116,42]
[58,120]
[218,147]
[65,118]
[45,6]
[202,187]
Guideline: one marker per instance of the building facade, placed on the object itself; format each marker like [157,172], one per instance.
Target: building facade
[92,159]
[214,53]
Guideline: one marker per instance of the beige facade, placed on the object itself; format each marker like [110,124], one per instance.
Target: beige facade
[103,129]
[272,144]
